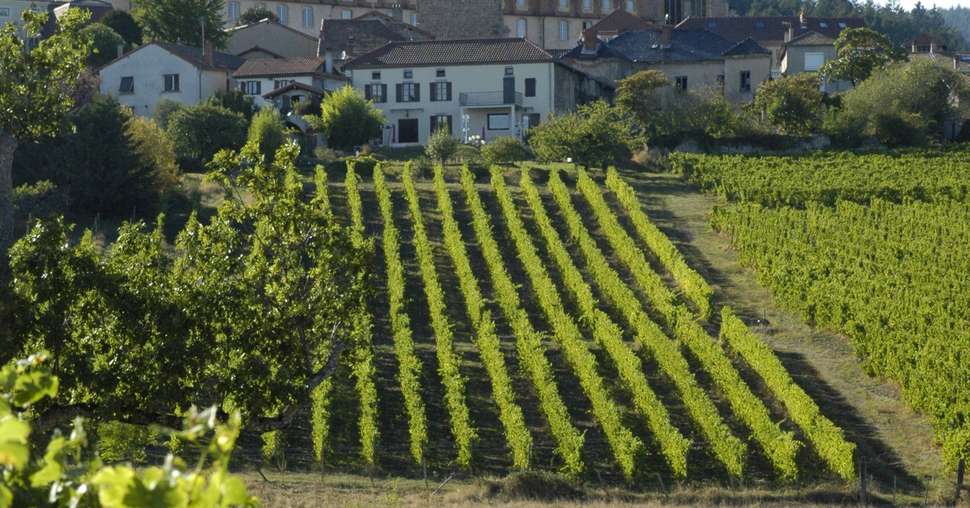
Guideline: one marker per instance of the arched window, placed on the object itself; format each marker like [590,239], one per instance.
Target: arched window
[521,28]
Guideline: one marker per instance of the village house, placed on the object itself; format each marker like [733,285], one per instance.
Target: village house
[269,39]
[808,52]
[344,39]
[691,59]
[484,88]
[776,33]
[303,78]
[144,76]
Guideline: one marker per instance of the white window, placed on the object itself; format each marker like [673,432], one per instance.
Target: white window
[308,17]
[283,13]
[563,30]
[171,82]
[414,20]
[233,10]
[631,6]
[814,61]
[253,87]
[346,14]
[521,27]
[280,83]
[587,5]
[127,85]
[4,12]
[498,122]
[563,5]
[520,4]
[607,6]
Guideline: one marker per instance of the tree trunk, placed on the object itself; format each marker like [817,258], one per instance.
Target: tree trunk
[8,145]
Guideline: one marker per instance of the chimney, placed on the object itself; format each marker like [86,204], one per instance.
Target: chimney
[120,50]
[666,34]
[208,50]
[590,40]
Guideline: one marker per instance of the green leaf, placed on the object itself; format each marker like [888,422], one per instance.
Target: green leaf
[14,455]
[14,430]
[6,497]
[113,485]
[33,386]
[53,467]
[234,492]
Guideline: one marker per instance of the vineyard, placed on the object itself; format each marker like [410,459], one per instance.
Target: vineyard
[872,246]
[536,320]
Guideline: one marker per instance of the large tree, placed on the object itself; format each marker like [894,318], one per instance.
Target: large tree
[37,90]
[858,53]
[182,21]
[124,25]
[248,311]
[791,104]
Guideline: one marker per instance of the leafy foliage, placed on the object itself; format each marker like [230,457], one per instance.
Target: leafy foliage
[106,163]
[505,150]
[64,477]
[858,53]
[348,119]
[256,14]
[441,146]
[792,104]
[267,132]
[201,131]
[182,21]
[164,111]
[123,24]
[105,43]
[233,100]
[596,134]
[241,311]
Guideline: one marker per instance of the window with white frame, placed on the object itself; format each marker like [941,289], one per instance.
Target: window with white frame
[408,92]
[283,13]
[745,85]
[499,122]
[346,14]
[521,27]
[587,5]
[280,83]
[414,20]
[521,4]
[233,10]
[631,6]
[127,85]
[441,91]
[563,5]
[563,30]
[308,17]
[252,87]
[607,6]
[814,61]
[171,82]
[376,92]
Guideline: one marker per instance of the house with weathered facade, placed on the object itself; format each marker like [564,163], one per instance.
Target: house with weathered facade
[269,39]
[148,74]
[692,59]
[344,39]
[472,87]
[304,78]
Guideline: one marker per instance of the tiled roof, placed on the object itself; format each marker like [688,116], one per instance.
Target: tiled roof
[294,86]
[770,29]
[645,46]
[194,56]
[362,35]
[279,67]
[811,39]
[453,52]
[620,21]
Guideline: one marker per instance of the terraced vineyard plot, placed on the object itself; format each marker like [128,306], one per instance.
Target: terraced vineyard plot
[576,308]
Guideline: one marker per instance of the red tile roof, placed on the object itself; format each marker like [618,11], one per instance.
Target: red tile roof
[279,67]
[453,52]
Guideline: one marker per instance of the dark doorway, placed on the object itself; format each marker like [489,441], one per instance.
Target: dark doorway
[407,130]
[508,90]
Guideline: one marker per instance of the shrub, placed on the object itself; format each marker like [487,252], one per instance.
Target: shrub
[39,200]
[106,42]
[905,104]
[348,119]
[164,111]
[155,147]
[325,155]
[124,25]
[793,105]
[257,14]
[505,150]
[96,163]
[268,132]
[469,154]
[235,100]
[200,132]
[441,146]
[596,134]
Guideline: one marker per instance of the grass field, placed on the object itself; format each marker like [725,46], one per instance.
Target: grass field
[894,446]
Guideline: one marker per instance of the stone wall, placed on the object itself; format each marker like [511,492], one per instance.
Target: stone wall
[462,19]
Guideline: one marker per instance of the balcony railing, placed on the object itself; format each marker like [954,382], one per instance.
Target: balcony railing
[486,99]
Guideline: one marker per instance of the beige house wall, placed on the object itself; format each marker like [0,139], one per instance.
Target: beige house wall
[793,63]
[274,38]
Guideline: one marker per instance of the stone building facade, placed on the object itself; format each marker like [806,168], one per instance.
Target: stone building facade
[462,19]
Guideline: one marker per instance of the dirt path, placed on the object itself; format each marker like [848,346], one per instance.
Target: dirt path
[896,443]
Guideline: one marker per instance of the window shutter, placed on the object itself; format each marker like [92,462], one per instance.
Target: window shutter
[433,91]
[448,93]
[399,89]
[417,92]
[368,95]
[450,131]
[383,93]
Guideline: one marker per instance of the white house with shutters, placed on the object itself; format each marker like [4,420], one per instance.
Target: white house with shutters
[481,87]
[145,76]
[305,78]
